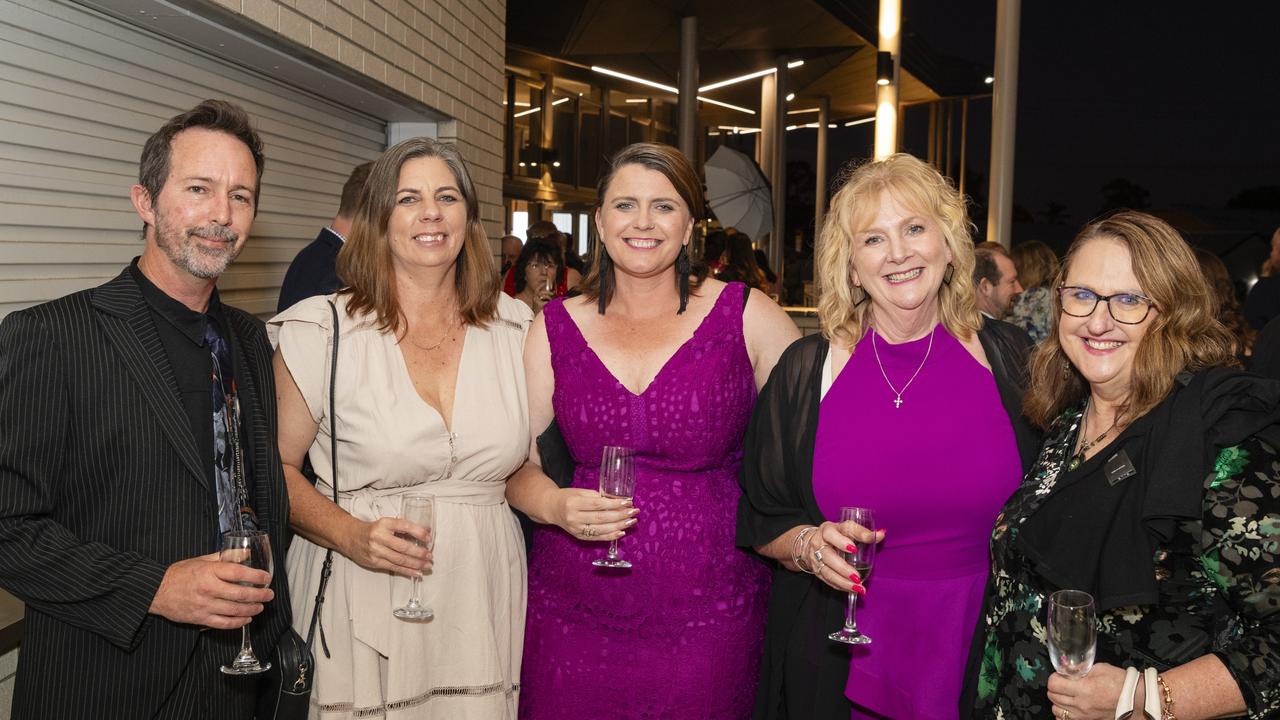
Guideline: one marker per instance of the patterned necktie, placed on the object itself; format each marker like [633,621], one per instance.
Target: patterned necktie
[234,512]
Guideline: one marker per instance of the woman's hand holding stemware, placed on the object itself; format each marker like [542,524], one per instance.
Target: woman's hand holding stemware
[832,540]
[586,515]
[384,544]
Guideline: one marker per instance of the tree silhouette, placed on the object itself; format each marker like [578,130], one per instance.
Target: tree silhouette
[1123,193]
[1265,197]
[1054,213]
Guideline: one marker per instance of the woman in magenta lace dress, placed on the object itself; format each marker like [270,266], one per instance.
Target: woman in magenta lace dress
[655,359]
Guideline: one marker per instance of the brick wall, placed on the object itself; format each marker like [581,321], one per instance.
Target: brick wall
[446,54]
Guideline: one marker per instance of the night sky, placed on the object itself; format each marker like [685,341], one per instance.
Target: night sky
[1179,98]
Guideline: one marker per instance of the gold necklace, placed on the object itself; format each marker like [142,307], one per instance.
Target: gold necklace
[1088,444]
[428,348]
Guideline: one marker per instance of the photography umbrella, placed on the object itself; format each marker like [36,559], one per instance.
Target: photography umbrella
[738,193]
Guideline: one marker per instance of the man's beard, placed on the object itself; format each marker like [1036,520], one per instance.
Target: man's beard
[184,251]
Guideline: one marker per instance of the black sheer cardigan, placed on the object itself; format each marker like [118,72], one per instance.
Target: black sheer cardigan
[802,675]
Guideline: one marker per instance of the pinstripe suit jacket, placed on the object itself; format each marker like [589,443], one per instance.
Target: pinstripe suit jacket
[101,489]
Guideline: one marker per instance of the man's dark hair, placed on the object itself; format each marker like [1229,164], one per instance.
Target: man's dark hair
[218,115]
[351,190]
[984,266]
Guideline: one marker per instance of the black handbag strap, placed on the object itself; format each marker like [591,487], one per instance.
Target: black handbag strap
[327,569]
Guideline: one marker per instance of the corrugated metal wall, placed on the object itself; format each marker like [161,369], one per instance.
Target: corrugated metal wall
[80,93]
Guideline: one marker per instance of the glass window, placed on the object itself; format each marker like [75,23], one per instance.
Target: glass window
[520,223]
[584,229]
[563,222]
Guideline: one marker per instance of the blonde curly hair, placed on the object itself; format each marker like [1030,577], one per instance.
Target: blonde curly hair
[843,309]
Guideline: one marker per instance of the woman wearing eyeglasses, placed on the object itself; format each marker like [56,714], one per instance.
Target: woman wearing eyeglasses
[536,271]
[1157,491]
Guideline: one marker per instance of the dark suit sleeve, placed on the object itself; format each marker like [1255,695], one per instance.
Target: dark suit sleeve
[84,584]
[312,272]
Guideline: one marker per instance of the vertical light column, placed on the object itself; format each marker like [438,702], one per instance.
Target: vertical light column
[768,124]
[887,95]
[1004,116]
[779,178]
[688,88]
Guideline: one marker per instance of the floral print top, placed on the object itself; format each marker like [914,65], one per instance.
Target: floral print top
[1032,311]
[1219,586]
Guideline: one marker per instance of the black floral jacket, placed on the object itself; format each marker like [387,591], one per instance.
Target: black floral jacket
[1218,579]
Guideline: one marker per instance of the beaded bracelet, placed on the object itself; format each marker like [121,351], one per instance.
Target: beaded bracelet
[1167,713]
[796,544]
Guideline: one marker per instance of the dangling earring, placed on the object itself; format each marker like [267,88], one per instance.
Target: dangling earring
[683,264]
[948,274]
[864,297]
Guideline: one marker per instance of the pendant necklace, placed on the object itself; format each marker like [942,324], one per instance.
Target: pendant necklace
[1086,445]
[897,401]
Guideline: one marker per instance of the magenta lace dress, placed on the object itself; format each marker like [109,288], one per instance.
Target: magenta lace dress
[679,634]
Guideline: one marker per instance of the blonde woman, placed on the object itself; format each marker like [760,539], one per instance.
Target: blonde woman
[903,405]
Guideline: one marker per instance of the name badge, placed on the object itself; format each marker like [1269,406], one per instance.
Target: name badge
[1119,467]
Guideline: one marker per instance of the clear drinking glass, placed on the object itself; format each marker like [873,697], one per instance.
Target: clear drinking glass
[862,559]
[548,286]
[617,482]
[1072,632]
[420,510]
[250,548]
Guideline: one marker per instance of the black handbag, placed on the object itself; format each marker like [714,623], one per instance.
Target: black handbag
[285,689]
[553,451]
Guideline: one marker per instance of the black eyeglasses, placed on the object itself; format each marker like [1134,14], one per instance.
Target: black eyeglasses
[1126,308]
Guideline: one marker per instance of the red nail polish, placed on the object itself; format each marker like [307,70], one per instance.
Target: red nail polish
[859,590]
[854,577]
[850,548]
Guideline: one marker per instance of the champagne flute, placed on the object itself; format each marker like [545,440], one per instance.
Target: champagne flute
[1072,632]
[617,482]
[861,559]
[251,548]
[421,510]
[548,285]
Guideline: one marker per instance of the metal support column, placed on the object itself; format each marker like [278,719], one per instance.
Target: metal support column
[509,127]
[820,179]
[768,124]
[688,88]
[779,178]
[1004,112]
[603,137]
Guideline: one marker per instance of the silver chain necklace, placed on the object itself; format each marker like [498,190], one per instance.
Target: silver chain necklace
[897,401]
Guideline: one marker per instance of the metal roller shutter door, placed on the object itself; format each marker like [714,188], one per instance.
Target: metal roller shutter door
[79,94]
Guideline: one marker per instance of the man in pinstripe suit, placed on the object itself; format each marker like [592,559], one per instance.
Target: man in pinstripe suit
[113,460]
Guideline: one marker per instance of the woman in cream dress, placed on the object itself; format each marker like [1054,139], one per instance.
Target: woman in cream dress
[430,399]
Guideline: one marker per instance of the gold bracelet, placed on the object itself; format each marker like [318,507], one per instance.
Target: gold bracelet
[1167,712]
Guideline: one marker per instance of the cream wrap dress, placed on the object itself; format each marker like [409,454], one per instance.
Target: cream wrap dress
[465,663]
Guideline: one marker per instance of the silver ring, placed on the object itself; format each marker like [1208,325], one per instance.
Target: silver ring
[817,557]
